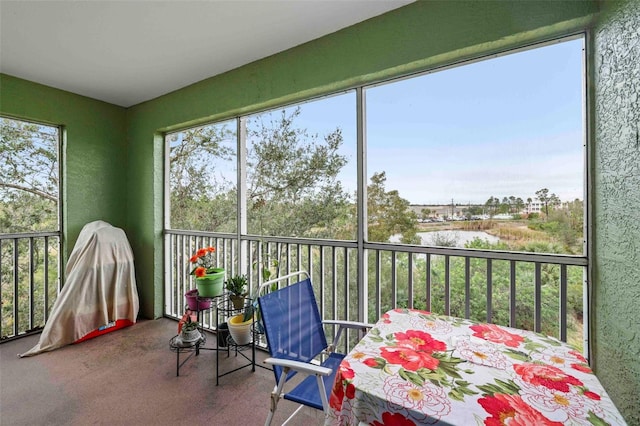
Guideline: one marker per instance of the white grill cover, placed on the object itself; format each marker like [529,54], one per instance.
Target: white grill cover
[100,288]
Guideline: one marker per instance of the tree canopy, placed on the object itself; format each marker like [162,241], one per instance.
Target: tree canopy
[292,180]
[389,214]
[29,176]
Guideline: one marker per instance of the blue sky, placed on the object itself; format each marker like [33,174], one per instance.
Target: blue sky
[498,127]
[503,126]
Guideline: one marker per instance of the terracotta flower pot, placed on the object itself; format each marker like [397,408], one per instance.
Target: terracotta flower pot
[237,301]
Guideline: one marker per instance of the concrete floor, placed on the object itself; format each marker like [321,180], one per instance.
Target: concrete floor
[128,377]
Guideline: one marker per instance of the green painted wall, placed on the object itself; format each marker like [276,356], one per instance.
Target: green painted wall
[616,284]
[420,36]
[94,150]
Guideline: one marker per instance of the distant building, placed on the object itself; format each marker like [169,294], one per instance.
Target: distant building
[536,206]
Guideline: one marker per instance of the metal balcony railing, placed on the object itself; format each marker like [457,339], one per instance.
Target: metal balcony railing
[540,292]
[533,291]
[29,280]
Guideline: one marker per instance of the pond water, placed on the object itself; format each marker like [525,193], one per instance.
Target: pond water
[456,238]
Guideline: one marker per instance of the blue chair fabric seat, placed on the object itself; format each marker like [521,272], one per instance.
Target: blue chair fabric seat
[307,391]
[297,343]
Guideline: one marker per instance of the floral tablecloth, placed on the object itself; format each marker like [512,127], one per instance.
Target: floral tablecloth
[416,368]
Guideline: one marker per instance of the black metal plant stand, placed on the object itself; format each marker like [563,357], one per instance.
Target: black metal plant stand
[224,309]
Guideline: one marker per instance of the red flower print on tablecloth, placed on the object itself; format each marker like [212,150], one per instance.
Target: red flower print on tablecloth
[342,386]
[409,359]
[546,375]
[592,395]
[419,340]
[582,367]
[373,363]
[411,310]
[346,372]
[424,404]
[393,419]
[579,356]
[496,334]
[513,411]
[386,318]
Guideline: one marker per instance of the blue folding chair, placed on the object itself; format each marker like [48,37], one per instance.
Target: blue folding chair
[297,343]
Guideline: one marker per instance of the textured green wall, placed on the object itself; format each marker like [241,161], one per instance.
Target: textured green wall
[420,36]
[616,285]
[93,181]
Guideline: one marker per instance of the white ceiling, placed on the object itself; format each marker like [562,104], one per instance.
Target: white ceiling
[127,52]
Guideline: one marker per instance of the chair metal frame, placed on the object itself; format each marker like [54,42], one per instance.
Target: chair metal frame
[314,368]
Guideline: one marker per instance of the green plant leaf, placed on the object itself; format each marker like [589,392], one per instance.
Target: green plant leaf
[449,369]
[411,377]
[248,313]
[432,375]
[595,420]
[520,356]
[553,342]
[456,395]
[500,386]
[533,346]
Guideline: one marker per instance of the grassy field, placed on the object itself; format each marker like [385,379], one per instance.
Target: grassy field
[515,233]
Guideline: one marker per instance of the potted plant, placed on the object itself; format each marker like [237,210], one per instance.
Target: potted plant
[209,279]
[190,332]
[237,285]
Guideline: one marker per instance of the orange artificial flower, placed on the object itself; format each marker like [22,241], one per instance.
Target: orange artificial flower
[204,261]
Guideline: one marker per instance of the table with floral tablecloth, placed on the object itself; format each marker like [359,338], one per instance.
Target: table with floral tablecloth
[415,367]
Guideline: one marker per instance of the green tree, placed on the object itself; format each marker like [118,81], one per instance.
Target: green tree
[543,196]
[199,199]
[566,225]
[28,202]
[492,205]
[388,213]
[292,180]
[473,211]
[28,176]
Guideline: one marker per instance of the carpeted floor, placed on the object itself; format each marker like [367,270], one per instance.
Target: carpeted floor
[128,377]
